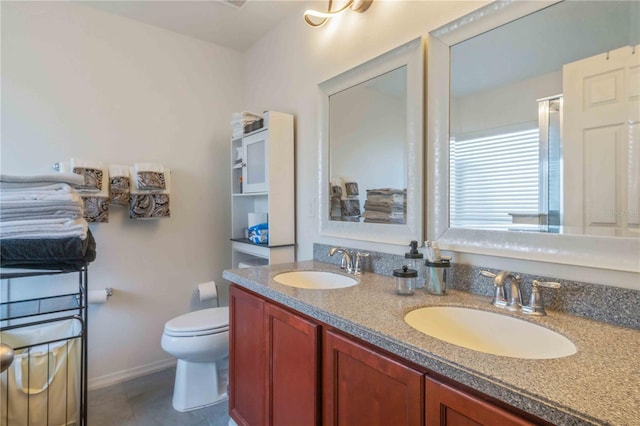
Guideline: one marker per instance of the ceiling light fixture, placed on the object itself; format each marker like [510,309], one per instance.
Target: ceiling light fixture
[355,5]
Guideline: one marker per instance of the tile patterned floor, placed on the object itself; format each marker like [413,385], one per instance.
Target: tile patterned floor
[146,401]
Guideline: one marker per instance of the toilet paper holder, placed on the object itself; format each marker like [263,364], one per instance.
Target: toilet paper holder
[108,291]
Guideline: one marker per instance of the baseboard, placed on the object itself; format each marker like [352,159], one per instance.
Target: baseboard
[132,373]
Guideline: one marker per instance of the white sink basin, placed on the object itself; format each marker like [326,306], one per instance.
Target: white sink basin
[490,333]
[319,280]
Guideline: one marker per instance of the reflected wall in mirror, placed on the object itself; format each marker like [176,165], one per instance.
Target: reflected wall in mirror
[544,123]
[371,141]
[533,126]
[368,121]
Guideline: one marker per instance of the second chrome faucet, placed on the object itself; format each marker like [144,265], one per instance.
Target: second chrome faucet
[510,296]
[353,264]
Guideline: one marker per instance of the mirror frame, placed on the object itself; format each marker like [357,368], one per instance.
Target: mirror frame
[411,55]
[620,254]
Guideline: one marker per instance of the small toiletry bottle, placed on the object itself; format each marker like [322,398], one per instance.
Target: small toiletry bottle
[405,280]
[415,260]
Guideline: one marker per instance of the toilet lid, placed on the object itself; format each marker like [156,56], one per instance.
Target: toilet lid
[205,320]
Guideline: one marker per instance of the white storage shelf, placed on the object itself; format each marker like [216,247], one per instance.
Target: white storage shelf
[264,184]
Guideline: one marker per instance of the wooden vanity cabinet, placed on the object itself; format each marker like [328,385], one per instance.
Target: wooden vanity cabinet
[282,365]
[273,364]
[248,358]
[449,406]
[363,387]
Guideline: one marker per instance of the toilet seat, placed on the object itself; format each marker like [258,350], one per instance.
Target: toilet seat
[199,323]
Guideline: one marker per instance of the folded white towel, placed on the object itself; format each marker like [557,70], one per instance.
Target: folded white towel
[13,181]
[71,228]
[7,215]
[74,201]
[38,223]
[38,186]
[27,197]
[39,208]
[42,225]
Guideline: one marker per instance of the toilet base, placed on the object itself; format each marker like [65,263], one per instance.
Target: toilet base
[198,385]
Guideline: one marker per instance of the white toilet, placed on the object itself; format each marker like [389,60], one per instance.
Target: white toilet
[200,341]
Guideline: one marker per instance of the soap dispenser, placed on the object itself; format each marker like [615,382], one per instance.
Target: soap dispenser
[415,260]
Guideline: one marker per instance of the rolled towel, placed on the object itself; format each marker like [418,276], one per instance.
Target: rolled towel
[94,173]
[137,189]
[149,176]
[119,177]
[146,204]
[119,184]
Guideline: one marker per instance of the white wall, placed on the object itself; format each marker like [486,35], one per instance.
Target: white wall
[503,107]
[284,68]
[83,83]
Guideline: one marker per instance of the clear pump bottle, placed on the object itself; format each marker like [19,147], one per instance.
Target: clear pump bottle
[415,260]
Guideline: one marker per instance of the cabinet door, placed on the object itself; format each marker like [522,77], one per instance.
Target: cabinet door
[256,160]
[448,406]
[293,376]
[247,358]
[363,387]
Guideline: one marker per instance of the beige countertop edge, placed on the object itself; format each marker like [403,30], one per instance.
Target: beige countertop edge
[600,384]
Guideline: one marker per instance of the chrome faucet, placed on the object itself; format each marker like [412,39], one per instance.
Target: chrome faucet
[508,297]
[352,263]
[511,297]
[347,261]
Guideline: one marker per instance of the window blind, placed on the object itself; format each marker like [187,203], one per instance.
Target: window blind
[492,177]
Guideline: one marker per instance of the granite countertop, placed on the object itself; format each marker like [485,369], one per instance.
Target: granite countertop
[600,384]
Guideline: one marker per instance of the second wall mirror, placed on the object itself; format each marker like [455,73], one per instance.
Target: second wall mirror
[371,149]
[533,124]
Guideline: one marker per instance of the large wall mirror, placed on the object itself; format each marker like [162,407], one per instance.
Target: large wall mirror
[371,149]
[534,122]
